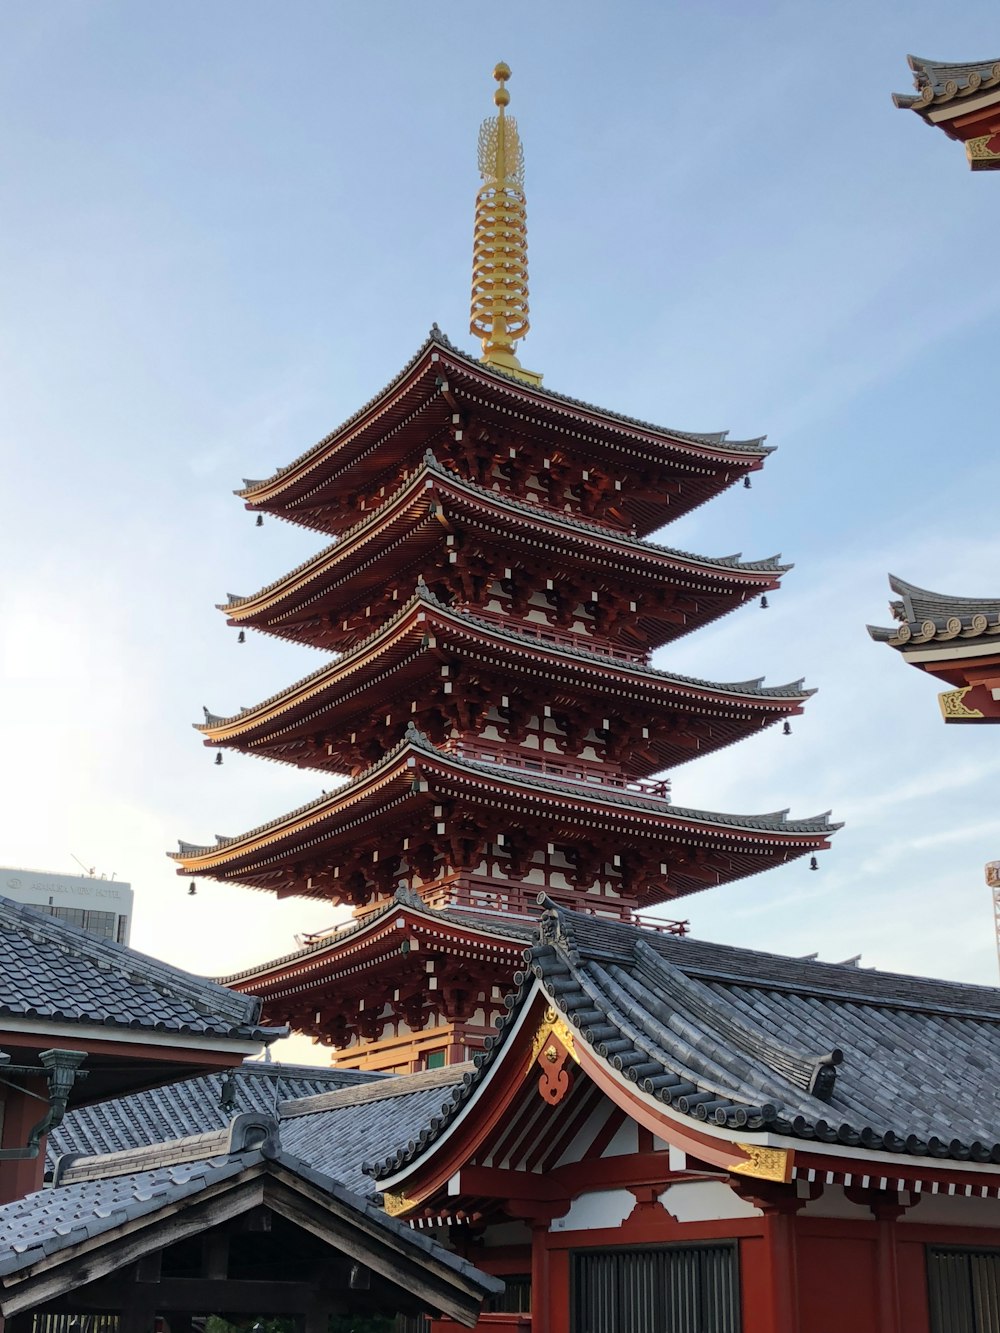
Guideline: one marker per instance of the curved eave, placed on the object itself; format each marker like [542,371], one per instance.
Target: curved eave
[933,617]
[432,485]
[401,399]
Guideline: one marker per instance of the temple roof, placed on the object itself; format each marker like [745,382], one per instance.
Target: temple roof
[926,617]
[192,1106]
[50,970]
[94,1197]
[563,526]
[333,1130]
[391,799]
[336,701]
[939,82]
[757,1042]
[714,444]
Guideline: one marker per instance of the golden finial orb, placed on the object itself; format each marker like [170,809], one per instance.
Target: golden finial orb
[499,314]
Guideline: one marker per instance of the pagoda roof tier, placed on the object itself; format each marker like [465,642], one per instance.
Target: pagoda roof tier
[328,720]
[422,960]
[415,531]
[335,955]
[442,390]
[937,618]
[454,805]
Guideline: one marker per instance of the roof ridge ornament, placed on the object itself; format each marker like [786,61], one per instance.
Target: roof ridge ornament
[499,313]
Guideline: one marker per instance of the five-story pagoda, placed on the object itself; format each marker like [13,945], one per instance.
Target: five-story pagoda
[493,600]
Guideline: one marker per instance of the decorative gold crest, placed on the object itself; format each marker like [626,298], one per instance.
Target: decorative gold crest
[553,1026]
[953,705]
[396,1204]
[765,1163]
[982,155]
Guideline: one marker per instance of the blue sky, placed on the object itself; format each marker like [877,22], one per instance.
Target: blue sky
[225,226]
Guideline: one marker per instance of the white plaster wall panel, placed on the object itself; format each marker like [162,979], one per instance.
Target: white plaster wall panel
[625,1142]
[954,1210]
[592,1212]
[705,1201]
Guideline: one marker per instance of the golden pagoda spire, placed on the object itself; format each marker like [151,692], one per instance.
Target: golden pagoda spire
[500,247]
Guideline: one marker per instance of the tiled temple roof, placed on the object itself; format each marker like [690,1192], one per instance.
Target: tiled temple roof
[191,1106]
[430,467]
[100,1194]
[938,82]
[415,741]
[755,689]
[759,1042]
[352,1115]
[51,970]
[926,617]
[436,339]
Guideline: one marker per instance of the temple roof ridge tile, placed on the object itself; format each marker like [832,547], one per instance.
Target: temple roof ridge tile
[941,81]
[435,338]
[925,616]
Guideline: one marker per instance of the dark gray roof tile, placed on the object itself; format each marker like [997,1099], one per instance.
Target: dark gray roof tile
[49,969]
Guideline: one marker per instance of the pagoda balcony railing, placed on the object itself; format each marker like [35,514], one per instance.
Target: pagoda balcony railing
[565,638]
[578,771]
[518,898]
[512,898]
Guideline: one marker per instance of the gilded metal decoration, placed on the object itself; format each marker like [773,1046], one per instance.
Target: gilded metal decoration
[396,1204]
[553,1046]
[765,1163]
[984,153]
[499,314]
[953,707]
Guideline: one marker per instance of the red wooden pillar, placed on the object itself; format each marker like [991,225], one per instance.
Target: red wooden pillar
[777,1296]
[886,1210]
[20,1113]
[539,1216]
[540,1289]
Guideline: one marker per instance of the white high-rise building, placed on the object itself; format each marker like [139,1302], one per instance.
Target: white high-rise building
[102,906]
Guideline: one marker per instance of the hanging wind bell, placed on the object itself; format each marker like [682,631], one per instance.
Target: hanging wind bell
[218,759]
